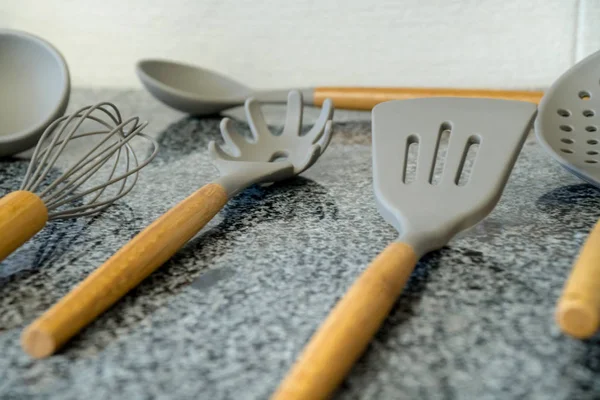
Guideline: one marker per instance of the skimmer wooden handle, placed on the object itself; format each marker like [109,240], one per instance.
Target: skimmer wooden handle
[123,271]
[22,215]
[349,328]
[365,98]
[578,309]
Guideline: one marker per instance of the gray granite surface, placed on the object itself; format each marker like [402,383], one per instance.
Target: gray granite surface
[226,317]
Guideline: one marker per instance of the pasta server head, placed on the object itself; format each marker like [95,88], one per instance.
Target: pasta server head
[568,121]
[426,211]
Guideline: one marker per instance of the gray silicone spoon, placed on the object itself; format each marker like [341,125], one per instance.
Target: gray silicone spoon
[426,213]
[265,159]
[34,89]
[568,127]
[199,91]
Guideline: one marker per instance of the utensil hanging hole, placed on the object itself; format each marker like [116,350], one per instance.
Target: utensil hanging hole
[410,159]
[584,95]
[592,141]
[592,152]
[566,128]
[568,151]
[591,161]
[567,140]
[563,113]
[279,156]
[465,168]
[588,113]
[591,128]
[441,150]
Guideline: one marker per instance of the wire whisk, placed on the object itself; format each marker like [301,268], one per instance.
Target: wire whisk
[106,171]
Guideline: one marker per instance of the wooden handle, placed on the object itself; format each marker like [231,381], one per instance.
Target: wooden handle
[350,326]
[366,98]
[123,271]
[578,309]
[22,215]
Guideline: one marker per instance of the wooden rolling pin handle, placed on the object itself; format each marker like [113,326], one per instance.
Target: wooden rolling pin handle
[349,328]
[22,215]
[365,98]
[578,309]
[123,271]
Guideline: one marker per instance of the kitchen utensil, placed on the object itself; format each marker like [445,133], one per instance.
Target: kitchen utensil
[264,159]
[199,91]
[25,212]
[35,87]
[567,127]
[427,213]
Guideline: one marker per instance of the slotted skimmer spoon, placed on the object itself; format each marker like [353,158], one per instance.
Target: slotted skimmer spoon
[567,127]
[241,164]
[200,91]
[427,215]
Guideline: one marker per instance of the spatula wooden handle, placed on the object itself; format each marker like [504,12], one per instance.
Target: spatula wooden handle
[349,328]
[22,215]
[123,271]
[365,98]
[578,310]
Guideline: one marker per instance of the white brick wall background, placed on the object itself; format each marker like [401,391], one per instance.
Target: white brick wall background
[281,43]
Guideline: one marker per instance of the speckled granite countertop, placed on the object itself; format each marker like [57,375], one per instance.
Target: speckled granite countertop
[226,317]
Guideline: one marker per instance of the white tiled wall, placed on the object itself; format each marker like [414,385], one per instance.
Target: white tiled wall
[279,43]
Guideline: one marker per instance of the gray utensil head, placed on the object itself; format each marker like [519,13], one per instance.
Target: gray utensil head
[568,121]
[430,188]
[301,150]
[188,88]
[34,89]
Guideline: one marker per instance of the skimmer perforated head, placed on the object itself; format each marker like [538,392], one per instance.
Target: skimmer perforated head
[568,121]
[440,164]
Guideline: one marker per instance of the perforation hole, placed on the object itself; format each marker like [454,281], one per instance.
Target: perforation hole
[592,152]
[566,128]
[567,140]
[563,113]
[591,161]
[410,159]
[592,141]
[584,95]
[588,113]
[591,128]
[568,151]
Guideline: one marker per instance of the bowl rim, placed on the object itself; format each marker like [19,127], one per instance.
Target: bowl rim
[37,128]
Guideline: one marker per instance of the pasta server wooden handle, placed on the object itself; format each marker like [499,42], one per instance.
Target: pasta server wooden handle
[578,309]
[123,271]
[349,328]
[22,215]
[366,98]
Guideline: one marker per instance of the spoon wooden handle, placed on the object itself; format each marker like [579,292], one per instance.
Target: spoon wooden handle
[22,215]
[123,271]
[349,328]
[578,309]
[365,98]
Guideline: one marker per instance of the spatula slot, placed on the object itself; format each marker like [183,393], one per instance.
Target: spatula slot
[468,159]
[591,128]
[588,113]
[410,159]
[441,151]
[566,128]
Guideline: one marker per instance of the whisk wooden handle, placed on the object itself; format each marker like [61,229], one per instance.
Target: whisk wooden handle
[22,215]
[123,271]
[350,326]
[365,98]
[578,309]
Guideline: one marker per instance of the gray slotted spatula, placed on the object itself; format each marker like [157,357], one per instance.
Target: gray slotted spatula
[427,214]
[567,127]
